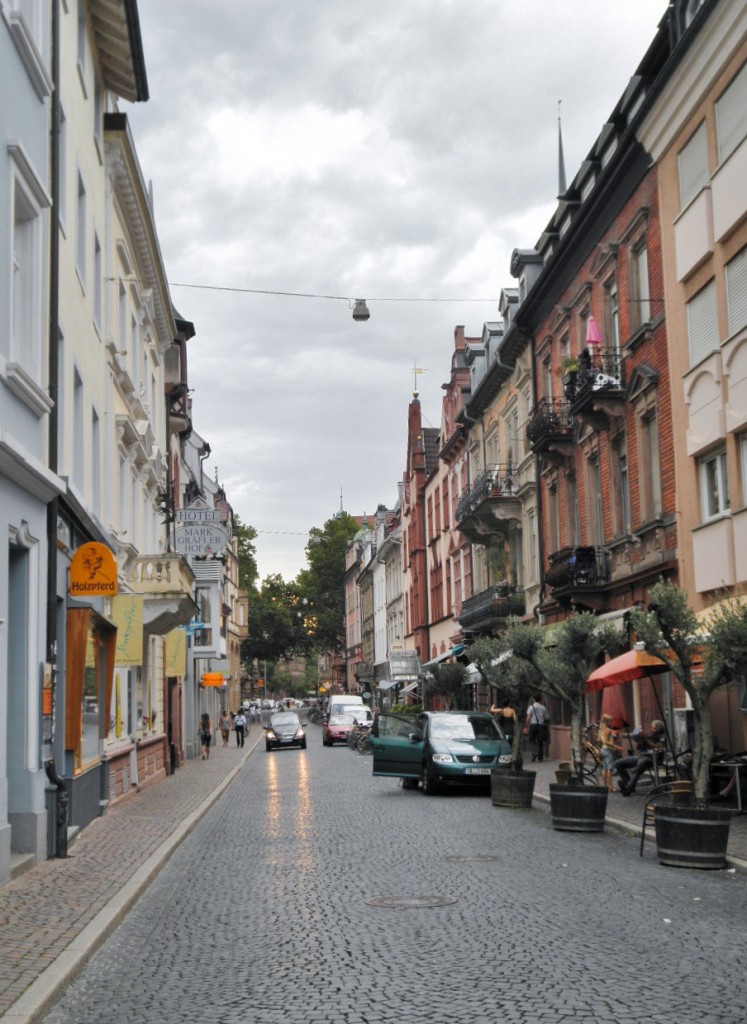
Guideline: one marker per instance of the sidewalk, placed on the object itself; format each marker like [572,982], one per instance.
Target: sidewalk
[55,916]
[625,814]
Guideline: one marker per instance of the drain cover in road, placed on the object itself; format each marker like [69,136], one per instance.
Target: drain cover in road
[410,902]
[474,858]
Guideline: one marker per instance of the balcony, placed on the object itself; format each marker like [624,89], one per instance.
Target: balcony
[575,571]
[490,503]
[550,429]
[167,584]
[596,392]
[491,607]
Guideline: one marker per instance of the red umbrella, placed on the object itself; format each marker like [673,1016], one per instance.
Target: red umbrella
[613,704]
[623,669]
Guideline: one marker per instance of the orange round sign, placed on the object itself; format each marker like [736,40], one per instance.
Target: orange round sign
[93,571]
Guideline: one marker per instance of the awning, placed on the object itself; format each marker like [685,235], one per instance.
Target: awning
[623,669]
[387,684]
[409,688]
[438,660]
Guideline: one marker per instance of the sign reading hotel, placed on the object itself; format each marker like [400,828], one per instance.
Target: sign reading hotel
[93,571]
[198,511]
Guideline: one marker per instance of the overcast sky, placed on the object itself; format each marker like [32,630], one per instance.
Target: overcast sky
[382,149]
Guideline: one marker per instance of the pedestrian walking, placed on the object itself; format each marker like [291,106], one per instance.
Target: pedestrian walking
[506,718]
[239,724]
[224,724]
[206,735]
[536,728]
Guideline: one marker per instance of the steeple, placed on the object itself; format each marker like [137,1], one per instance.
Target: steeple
[561,159]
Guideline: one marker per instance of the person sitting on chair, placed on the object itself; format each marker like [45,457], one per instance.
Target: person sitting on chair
[642,760]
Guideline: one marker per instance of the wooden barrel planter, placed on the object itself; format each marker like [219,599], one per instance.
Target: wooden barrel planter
[691,837]
[578,808]
[510,788]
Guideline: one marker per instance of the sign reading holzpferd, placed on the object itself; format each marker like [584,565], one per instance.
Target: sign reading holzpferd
[93,571]
[200,539]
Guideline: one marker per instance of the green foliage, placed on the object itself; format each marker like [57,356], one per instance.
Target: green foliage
[670,630]
[323,582]
[447,683]
[276,623]
[405,709]
[248,571]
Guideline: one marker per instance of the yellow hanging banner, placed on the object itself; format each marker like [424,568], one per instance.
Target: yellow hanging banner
[176,652]
[127,616]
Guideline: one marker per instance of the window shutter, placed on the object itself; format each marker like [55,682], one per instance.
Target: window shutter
[692,164]
[731,116]
[736,291]
[702,323]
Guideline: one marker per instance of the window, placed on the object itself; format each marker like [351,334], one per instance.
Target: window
[62,184]
[692,166]
[612,315]
[743,465]
[714,485]
[731,116]
[736,291]
[571,492]
[649,468]
[98,281]
[702,323]
[640,297]
[27,295]
[77,429]
[622,492]
[596,517]
[95,462]
[80,233]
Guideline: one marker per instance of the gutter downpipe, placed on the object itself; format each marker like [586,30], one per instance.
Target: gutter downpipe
[62,796]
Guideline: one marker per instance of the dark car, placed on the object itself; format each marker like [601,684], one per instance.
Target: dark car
[336,729]
[438,748]
[285,730]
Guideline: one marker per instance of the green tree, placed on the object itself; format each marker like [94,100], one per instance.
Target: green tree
[447,681]
[275,627]
[248,571]
[670,630]
[322,584]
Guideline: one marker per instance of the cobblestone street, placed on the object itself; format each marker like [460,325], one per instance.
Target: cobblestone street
[264,913]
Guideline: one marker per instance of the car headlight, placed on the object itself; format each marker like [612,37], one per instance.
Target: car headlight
[271,735]
[443,759]
[299,734]
[504,759]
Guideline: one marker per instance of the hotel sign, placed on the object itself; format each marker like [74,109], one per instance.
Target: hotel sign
[198,511]
[200,539]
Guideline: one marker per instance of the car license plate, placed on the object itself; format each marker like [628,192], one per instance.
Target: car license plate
[477,771]
[286,740]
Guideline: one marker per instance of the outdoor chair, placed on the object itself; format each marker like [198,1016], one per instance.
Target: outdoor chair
[661,794]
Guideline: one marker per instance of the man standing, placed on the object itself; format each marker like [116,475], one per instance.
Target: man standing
[239,724]
[641,761]
[536,727]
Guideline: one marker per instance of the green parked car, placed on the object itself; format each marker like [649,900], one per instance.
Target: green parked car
[438,748]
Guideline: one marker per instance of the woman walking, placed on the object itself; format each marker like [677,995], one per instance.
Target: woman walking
[206,735]
[224,724]
[609,750]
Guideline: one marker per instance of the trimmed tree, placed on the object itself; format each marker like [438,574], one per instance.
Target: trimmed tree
[670,630]
[578,644]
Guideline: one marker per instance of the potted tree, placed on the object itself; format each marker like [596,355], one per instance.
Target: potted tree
[695,835]
[562,670]
[515,679]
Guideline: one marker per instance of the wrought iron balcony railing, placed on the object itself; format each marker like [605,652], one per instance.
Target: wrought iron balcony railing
[500,481]
[578,567]
[551,419]
[497,602]
[598,372]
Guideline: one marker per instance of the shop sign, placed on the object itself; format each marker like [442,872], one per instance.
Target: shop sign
[198,511]
[200,540]
[93,571]
[213,679]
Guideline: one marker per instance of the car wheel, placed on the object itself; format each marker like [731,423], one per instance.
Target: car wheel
[430,786]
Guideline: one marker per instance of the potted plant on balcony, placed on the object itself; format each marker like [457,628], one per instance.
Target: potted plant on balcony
[696,835]
[568,370]
[515,680]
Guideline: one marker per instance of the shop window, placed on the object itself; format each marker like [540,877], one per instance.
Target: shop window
[91,644]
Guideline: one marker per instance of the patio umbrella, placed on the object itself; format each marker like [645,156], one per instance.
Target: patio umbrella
[623,669]
[593,339]
[614,705]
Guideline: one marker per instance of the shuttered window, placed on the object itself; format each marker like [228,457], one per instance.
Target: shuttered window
[736,291]
[702,323]
[692,166]
[731,116]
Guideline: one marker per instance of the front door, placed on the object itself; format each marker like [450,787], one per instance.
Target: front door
[394,752]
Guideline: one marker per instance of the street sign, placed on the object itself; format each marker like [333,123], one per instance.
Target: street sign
[213,679]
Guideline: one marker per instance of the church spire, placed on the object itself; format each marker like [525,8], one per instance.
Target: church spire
[561,159]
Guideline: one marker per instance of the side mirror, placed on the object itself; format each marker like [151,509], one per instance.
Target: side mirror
[415,737]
